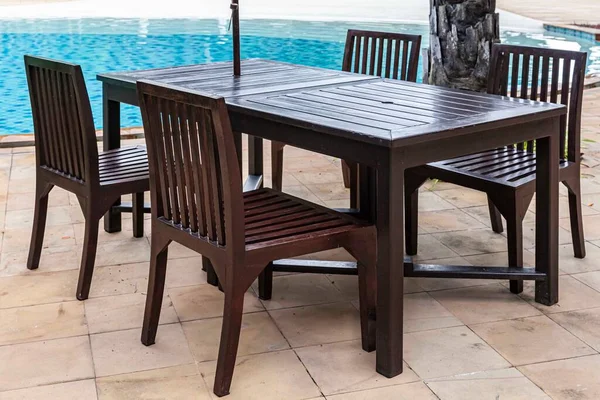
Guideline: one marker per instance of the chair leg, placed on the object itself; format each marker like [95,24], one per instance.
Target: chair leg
[367,288]
[277,165]
[514,228]
[576,217]
[495,217]
[412,183]
[346,174]
[352,169]
[211,275]
[265,283]
[137,205]
[156,287]
[88,257]
[39,224]
[230,337]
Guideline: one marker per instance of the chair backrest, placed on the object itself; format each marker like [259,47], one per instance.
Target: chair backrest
[555,76]
[195,179]
[388,55]
[65,137]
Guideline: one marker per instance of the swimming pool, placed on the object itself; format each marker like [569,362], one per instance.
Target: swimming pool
[103,45]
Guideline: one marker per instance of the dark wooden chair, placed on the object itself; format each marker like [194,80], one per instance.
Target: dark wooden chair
[388,55]
[67,156]
[507,174]
[197,201]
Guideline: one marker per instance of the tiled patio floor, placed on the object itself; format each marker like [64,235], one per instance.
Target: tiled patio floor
[465,339]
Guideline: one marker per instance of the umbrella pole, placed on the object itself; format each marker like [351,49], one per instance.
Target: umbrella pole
[235,16]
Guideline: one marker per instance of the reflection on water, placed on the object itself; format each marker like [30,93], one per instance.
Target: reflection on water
[102,45]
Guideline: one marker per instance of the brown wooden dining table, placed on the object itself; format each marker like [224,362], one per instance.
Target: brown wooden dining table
[386,126]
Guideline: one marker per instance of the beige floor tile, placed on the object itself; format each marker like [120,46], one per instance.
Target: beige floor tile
[486,303]
[573,295]
[531,340]
[447,221]
[408,391]
[24,218]
[177,251]
[178,383]
[577,378]
[125,234]
[185,272]
[500,259]
[487,385]
[467,243]
[43,322]
[310,178]
[302,290]
[449,352]
[267,376]
[329,191]
[46,362]
[564,235]
[348,285]
[422,312]
[41,288]
[26,201]
[258,335]
[52,259]
[463,197]
[303,192]
[430,248]
[326,323]
[85,389]
[55,236]
[571,265]
[591,226]
[206,301]
[430,201]
[120,279]
[585,324]
[122,352]
[592,279]
[128,251]
[114,313]
[345,367]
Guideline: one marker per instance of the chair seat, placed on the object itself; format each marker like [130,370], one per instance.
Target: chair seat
[123,165]
[504,166]
[274,218]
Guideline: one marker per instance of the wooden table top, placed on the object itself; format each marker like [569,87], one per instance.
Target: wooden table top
[385,112]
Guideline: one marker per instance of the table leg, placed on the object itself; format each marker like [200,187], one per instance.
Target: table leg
[546,217]
[111,139]
[255,163]
[390,267]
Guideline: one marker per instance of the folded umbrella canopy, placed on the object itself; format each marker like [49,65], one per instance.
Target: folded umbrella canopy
[235,19]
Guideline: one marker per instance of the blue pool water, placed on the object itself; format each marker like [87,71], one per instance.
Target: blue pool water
[110,45]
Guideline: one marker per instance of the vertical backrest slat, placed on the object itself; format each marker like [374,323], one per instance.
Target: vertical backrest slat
[555,75]
[514,77]
[544,81]
[404,74]
[199,172]
[64,127]
[365,56]
[396,58]
[178,163]
[381,48]
[564,100]
[387,55]
[535,76]
[189,172]
[215,183]
[205,156]
[388,58]
[169,161]
[525,76]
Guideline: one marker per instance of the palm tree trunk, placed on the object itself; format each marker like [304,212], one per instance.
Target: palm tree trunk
[462,35]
